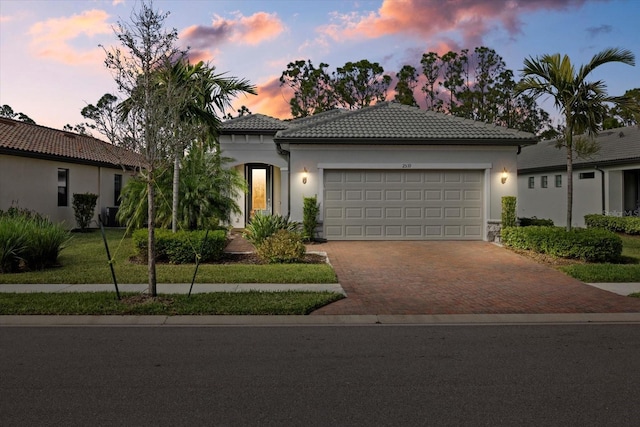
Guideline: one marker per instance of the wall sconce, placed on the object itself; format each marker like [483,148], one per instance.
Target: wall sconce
[304,176]
[505,174]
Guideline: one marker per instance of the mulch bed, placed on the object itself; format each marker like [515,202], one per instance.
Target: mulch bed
[252,258]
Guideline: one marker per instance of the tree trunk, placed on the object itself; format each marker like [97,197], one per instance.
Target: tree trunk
[176,189]
[569,184]
[151,243]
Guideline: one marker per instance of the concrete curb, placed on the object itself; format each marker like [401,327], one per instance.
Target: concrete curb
[323,320]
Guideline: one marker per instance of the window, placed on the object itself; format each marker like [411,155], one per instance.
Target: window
[558,180]
[532,182]
[117,189]
[63,187]
[543,181]
[587,175]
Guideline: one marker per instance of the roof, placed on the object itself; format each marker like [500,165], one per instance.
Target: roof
[253,124]
[617,146]
[24,139]
[394,123]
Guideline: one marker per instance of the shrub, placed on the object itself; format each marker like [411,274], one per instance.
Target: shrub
[593,245]
[181,247]
[84,206]
[310,211]
[533,221]
[13,243]
[618,224]
[263,226]
[508,211]
[29,241]
[284,246]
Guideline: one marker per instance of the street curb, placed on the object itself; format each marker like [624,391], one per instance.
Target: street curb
[322,320]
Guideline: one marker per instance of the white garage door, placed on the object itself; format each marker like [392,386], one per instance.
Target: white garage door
[403,205]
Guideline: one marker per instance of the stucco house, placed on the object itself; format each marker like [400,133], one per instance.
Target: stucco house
[606,182]
[41,168]
[385,172]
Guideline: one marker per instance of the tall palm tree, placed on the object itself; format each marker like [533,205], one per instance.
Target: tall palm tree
[205,97]
[582,103]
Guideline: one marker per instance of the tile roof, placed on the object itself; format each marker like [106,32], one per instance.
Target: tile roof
[19,138]
[617,146]
[253,123]
[391,122]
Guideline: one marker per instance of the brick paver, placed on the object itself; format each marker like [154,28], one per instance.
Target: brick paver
[456,278]
[453,278]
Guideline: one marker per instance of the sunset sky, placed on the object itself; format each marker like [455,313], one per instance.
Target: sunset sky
[51,65]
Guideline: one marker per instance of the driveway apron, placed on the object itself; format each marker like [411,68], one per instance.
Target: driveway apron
[454,277]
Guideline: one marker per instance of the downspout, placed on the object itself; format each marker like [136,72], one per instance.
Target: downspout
[602,188]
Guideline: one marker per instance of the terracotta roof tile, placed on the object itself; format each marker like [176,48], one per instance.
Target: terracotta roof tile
[33,140]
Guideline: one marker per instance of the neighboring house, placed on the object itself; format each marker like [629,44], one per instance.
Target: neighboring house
[606,182]
[41,168]
[385,172]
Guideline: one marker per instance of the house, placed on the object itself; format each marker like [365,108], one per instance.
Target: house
[606,182]
[41,168]
[385,172]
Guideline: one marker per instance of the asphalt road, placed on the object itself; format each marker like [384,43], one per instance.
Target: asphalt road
[374,375]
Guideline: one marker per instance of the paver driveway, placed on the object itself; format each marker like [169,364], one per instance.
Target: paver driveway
[456,278]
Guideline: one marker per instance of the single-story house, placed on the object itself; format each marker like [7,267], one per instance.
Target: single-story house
[385,172]
[607,182]
[41,168]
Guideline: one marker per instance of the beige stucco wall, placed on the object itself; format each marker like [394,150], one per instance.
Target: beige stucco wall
[33,184]
[246,149]
[551,202]
[317,158]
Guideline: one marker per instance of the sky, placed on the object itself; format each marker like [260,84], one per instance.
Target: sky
[52,62]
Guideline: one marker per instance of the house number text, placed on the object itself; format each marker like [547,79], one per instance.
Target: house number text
[406,166]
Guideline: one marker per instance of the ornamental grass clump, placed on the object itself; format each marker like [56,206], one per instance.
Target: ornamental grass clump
[263,226]
[29,242]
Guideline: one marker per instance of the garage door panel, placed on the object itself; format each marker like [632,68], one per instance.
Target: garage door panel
[403,205]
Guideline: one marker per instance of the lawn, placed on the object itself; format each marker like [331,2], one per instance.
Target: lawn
[84,260]
[628,271]
[218,303]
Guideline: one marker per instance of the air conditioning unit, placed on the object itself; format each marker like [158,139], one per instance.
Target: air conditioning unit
[110,217]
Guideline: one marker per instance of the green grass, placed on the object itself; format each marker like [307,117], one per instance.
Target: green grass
[84,260]
[218,303]
[629,271]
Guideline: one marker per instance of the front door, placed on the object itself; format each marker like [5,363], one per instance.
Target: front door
[259,177]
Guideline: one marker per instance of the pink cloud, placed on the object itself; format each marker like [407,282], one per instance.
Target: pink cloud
[251,30]
[272,100]
[52,38]
[431,18]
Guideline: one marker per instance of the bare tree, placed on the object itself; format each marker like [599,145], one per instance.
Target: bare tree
[145,48]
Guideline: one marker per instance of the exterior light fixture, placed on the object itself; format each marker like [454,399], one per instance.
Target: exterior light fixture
[505,175]
[304,175]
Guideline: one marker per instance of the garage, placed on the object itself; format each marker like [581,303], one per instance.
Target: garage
[403,204]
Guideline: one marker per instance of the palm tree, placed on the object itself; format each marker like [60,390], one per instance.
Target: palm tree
[205,95]
[582,103]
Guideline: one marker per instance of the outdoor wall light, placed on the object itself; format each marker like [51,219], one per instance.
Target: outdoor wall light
[304,176]
[505,174]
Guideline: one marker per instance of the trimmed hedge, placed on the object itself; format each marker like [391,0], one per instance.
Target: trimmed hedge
[617,224]
[181,247]
[587,244]
[283,246]
[528,222]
